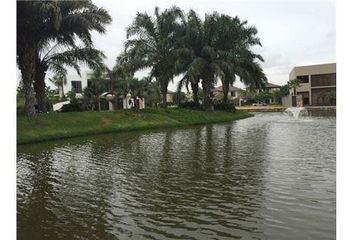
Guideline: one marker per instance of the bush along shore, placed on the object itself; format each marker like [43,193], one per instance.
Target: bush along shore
[54,125]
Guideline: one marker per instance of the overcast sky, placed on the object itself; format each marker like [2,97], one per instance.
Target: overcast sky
[293,33]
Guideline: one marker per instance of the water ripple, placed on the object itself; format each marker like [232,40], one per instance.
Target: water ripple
[260,178]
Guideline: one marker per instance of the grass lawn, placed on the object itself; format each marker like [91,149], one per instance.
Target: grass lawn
[55,125]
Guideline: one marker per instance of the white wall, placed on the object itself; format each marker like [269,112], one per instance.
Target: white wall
[286,101]
[75,77]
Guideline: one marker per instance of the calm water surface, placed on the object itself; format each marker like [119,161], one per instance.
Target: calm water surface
[266,177]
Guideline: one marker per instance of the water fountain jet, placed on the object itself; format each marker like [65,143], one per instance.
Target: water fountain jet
[296,112]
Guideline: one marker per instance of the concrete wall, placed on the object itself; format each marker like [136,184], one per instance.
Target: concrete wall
[304,87]
[286,101]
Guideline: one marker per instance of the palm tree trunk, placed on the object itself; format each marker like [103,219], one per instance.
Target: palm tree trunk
[195,89]
[39,86]
[62,90]
[225,89]
[98,104]
[163,89]
[27,67]
[30,110]
[206,84]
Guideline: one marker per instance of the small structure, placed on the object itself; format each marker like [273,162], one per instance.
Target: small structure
[107,101]
[133,102]
[110,102]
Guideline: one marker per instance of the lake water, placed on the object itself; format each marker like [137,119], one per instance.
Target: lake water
[266,177]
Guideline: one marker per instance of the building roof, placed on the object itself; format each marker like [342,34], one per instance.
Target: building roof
[316,65]
[313,69]
[231,89]
[170,92]
[271,85]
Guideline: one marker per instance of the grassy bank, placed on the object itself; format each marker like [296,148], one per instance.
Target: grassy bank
[50,126]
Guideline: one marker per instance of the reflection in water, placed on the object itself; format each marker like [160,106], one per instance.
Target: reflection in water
[261,178]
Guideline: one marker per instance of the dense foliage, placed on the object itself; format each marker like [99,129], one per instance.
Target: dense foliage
[53,35]
[202,50]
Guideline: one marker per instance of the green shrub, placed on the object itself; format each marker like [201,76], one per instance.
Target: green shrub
[191,105]
[72,107]
[228,107]
[263,96]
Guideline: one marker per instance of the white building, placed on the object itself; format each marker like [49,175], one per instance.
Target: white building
[108,101]
[77,84]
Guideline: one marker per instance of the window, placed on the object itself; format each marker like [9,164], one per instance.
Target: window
[323,80]
[323,96]
[303,79]
[76,86]
[233,94]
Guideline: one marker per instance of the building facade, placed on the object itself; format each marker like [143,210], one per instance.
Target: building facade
[108,101]
[271,88]
[234,93]
[77,84]
[317,84]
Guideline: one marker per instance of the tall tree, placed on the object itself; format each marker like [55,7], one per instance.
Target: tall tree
[56,61]
[185,82]
[59,80]
[203,59]
[30,23]
[189,46]
[77,20]
[49,24]
[96,87]
[219,48]
[293,84]
[151,44]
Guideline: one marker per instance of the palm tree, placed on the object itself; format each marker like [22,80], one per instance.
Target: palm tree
[235,39]
[29,19]
[43,25]
[194,83]
[56,62]
[122,75]
[59,80]
[151,44]
[188,49]
[219,47]
[293,84]
[76,22]
[96,86]
[204,60]
[249,72]
[151,93]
